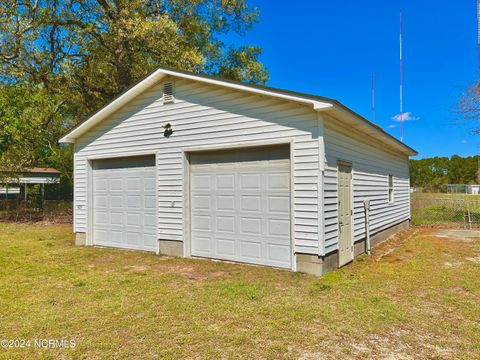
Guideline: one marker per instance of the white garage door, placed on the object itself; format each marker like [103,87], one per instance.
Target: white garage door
[240,205]
[125,203]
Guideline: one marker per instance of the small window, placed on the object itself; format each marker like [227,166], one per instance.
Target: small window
[168,97]
[390,188]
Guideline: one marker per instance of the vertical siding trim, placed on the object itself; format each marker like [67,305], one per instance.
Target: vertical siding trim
[74,189]
[187,247]
[89,203]
[292,205]
[321,169]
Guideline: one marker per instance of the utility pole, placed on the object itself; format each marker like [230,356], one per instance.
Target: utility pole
[401,76]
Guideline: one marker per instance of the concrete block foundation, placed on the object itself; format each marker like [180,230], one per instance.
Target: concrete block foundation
[319,265]
[171,248]
[80,239]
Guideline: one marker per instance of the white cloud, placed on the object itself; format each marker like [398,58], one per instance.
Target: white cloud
[406,116]
[391,126]
[464,141]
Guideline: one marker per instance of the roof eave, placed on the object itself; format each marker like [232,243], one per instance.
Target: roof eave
[407,150]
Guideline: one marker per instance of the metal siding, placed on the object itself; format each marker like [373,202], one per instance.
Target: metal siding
[205,115]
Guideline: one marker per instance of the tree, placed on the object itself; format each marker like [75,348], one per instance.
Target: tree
[62,60]
[469,106]
[29,130]
[433,174]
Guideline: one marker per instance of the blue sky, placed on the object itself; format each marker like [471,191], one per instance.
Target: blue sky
[330,48]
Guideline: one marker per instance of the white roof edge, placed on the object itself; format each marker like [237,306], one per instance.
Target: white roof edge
[382,134]
[130,94]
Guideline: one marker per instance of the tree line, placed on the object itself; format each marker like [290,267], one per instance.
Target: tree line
[433,174]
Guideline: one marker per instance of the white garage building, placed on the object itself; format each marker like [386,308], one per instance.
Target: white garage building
[190,165]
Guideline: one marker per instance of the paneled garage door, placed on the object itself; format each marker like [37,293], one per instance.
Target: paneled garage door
[240,205]
[124,203]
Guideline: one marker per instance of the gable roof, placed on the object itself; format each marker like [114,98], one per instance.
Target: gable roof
[318,103]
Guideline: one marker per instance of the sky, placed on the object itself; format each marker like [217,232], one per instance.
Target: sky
[331,48]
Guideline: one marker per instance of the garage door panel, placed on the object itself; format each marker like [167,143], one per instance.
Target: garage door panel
[149,202]
[225,182]
[251,250]
[134,219]
[225,247]
[125,203]
[115,236]
[116,184]
[247,196]
[226,224]
[149,220]
[115,201]
[250,203]
[278,253]
[278,227]
[250,182]
[278,204]
[101,236]
[201,182]
[202,244]
[133,238]
[101,217]
[134,202]
[201,202]
[101,184]
[149,183]
[134,184]
[250,226]
[278,181]
[225,202]
[116,219]
[201,222]
[101,201]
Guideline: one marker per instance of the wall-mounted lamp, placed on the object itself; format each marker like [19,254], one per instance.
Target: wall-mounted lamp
[168,130]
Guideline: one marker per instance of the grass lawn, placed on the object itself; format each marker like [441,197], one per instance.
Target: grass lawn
[445,196]
[445,209]
[418,297]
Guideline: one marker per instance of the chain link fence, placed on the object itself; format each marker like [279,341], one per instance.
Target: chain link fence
[446,211]
[32,211]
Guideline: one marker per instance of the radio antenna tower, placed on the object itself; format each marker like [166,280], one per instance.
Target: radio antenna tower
[373,96]
[401,76]
[478,37]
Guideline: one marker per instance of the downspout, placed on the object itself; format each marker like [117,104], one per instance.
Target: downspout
[368,245]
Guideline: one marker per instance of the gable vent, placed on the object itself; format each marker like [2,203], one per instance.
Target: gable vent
[168,93]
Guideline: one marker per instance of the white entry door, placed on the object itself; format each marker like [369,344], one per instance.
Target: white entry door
[345,213]
[240,205]
[124,203]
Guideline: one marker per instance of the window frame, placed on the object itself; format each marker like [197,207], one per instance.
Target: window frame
[391,188]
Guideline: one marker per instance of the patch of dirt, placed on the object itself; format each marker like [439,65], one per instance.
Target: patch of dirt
[387,248]
[475,259]
[453,264]
[399,344]
[138,268]
[194,273]
[468,236]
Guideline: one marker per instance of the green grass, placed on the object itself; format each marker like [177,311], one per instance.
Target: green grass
[420,300]
[436,208]
[445,196]
[439,215]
